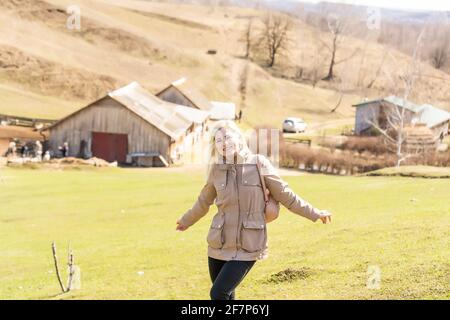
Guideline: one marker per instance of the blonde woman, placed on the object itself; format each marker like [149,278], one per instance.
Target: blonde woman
[237,237]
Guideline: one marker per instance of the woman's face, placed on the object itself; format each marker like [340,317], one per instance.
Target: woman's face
[227,142]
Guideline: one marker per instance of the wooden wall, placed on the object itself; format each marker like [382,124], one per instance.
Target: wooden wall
[365,113]
[107,115]
[374,112]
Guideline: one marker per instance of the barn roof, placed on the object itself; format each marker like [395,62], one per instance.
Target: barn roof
[432,116]
[161,114]
[223,110]
[426,113]
[190,93]
[172,119]
[395,101]
[195,115]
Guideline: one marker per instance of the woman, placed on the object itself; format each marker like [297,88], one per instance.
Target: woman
[237,237]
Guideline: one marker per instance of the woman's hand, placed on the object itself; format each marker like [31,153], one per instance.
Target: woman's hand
[325,216]
[180,226]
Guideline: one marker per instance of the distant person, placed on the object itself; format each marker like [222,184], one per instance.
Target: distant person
[64,150]
[24,150]
[240,116]
[441,137]
[237,237]
[46,156]
[38,150]
[12,149]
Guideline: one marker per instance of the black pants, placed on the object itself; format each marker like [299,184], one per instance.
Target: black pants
[226,276]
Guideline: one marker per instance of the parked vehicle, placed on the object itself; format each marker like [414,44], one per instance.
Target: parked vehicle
[295,125]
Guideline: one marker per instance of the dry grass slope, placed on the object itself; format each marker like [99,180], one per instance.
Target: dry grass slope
[156,43]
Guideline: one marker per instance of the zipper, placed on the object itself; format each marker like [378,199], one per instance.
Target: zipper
[239,209]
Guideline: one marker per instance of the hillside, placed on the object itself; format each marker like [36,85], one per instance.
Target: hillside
[47,70]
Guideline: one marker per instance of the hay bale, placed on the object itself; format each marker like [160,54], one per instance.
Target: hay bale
[419,138]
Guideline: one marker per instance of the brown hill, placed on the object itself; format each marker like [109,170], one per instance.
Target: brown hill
[155,43]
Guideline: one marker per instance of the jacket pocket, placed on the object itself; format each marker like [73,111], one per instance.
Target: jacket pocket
[250,176]
[215,235]
[253,234]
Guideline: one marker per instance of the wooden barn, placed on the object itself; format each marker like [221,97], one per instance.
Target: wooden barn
[376,111]
[180,92]
[130,126]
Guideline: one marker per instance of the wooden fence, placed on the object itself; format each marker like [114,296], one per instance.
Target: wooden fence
[24,122]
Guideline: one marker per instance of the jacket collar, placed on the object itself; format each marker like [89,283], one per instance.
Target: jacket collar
[242,157]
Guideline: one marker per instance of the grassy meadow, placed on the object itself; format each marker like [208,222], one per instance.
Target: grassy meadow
[121,223]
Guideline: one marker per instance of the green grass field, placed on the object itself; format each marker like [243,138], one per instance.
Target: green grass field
[413,171]
[121,223]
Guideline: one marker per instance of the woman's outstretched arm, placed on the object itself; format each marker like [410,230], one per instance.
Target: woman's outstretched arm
[280,191]
[201,206]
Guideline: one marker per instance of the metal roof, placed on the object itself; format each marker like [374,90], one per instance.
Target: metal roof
[367,102]
[432,116]
[223,110]
[403,103]
[194,115]
[164,115]
[190,93]
[426,113]
[394,100]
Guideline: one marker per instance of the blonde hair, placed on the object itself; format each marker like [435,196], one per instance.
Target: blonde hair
[213,156]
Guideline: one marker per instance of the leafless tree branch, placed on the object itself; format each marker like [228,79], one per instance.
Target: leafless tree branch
[58,274]
[275,36]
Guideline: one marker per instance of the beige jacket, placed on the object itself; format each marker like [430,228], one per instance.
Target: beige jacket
[238,229]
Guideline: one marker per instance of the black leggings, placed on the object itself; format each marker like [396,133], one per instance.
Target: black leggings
[226,276]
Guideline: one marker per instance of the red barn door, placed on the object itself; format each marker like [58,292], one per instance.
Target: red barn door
[110,146]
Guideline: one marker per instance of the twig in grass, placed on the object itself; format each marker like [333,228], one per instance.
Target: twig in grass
[70,263]
[71,268]
[55,258]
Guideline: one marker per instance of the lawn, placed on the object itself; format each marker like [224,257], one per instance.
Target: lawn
[121,224]
[413,171]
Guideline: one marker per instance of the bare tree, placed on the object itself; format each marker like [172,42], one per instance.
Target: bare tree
[343,84]
[373,36]
[315,64]
[243,79]
[380,68]
[275,36]
[338,103]
[439,54]
[394,118]
[335,34]
[247,38]
[337,25]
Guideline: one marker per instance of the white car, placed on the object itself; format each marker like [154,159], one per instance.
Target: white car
[294,125]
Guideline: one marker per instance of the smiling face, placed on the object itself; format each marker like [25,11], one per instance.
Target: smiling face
[226,142]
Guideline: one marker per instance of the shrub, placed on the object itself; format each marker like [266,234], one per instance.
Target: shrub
[374,145]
